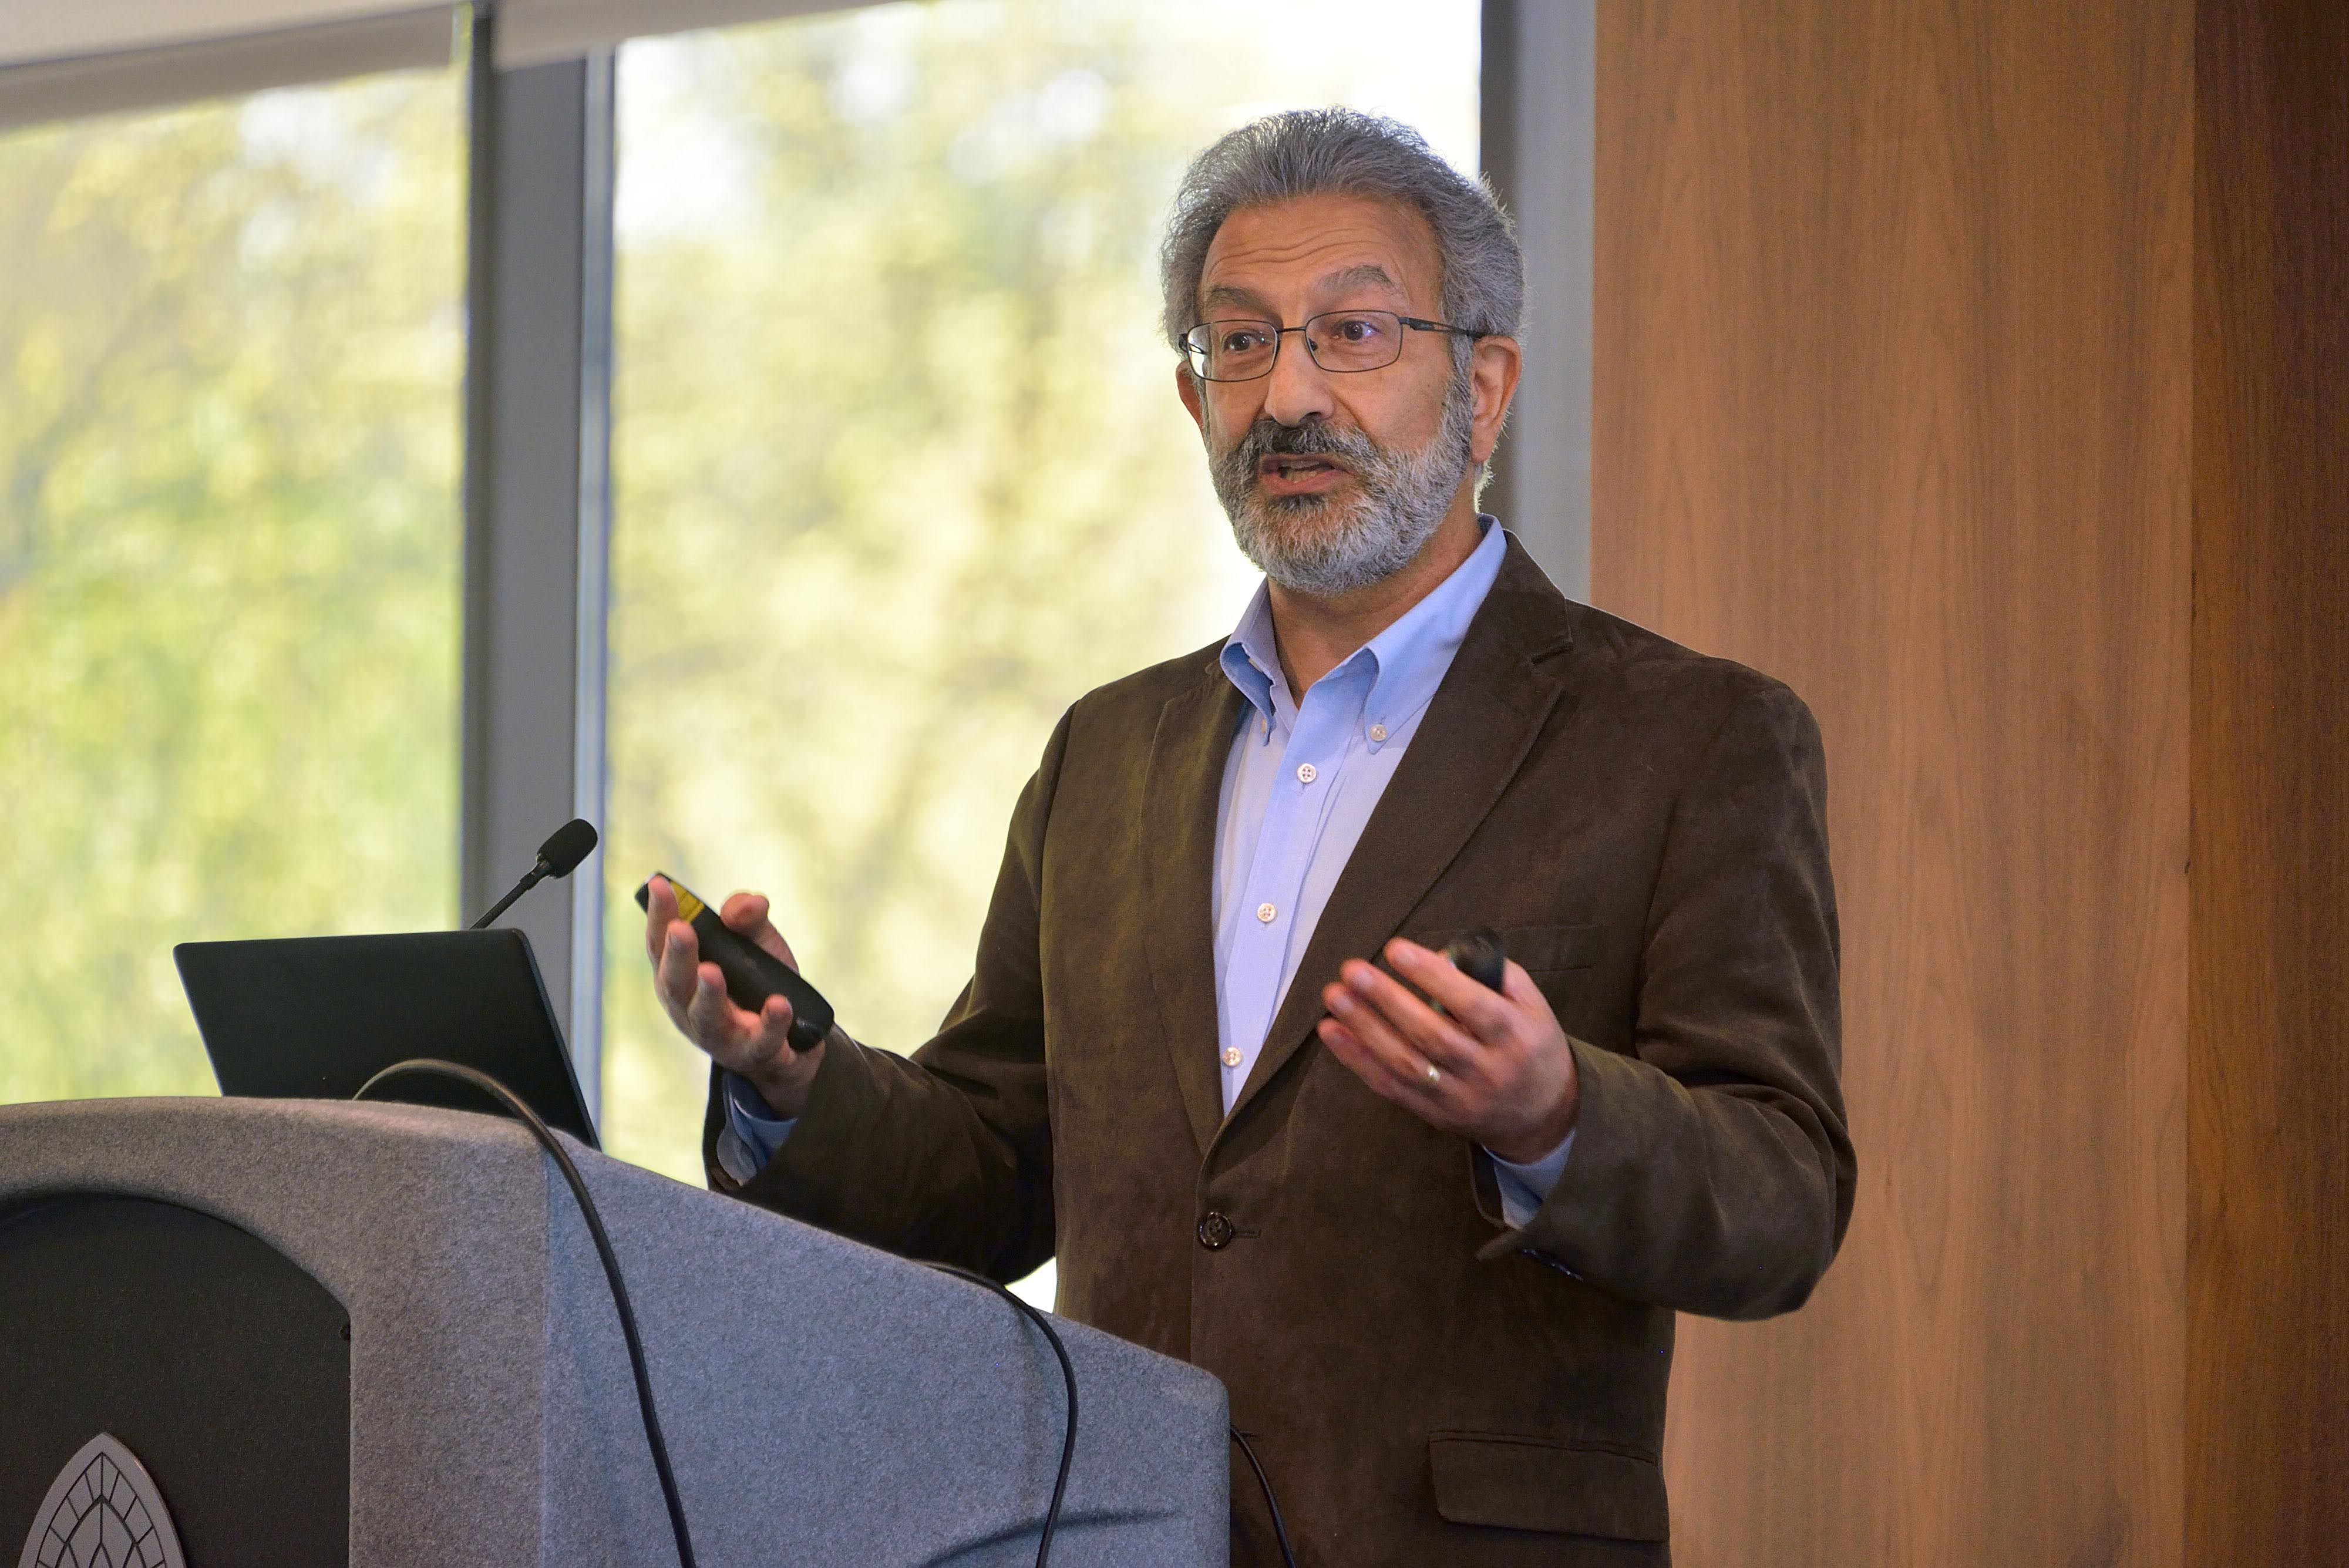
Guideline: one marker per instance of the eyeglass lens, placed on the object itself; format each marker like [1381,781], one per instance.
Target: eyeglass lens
[1340,340]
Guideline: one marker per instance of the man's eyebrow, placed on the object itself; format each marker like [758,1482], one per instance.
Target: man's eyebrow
[1230,294]
[1353,276]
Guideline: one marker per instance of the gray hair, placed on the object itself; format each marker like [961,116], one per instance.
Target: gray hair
[1345,153]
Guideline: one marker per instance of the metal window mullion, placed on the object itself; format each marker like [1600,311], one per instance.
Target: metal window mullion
[537,505]
[593,603]
[1539,131]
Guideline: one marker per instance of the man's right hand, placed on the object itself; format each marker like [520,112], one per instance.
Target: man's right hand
[755,1044]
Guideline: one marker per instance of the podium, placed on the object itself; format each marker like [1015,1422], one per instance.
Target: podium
[380,1334]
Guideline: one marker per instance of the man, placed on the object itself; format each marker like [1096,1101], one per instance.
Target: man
[1431,1237]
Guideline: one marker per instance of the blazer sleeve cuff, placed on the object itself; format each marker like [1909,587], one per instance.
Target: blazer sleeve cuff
[1524,1187]
[744,1151]
[1534,1229]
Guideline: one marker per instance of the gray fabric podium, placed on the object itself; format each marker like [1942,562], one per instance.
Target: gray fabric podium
[822,1402]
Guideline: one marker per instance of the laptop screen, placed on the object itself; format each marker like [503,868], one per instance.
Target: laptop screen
[315,1017]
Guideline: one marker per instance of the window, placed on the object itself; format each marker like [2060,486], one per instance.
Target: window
[899,470]
[231,346]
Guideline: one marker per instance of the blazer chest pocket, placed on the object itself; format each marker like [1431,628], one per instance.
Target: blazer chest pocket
[1539,1483]
[1541,950]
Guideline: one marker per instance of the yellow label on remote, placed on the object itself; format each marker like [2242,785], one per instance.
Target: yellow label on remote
[688,905]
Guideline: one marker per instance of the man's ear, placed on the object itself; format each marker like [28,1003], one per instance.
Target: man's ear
[1493,366]
[1186,387]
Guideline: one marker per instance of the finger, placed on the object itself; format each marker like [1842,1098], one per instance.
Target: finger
[680,956]
[1481,1012]
[1406,1058]
[1520,988]
[661,909]
[767,1032]
[715,1025]
[1427,1033]
[775,1022]
[1413,1091]
[747,913]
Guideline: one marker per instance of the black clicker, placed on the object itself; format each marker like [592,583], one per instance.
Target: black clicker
[1480,955]
[752,973]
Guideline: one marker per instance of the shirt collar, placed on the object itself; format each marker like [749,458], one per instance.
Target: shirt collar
[1407,661]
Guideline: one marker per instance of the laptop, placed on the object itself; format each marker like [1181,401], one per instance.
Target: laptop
[315,1017]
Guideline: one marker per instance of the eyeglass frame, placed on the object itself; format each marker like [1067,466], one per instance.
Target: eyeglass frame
[1417,324]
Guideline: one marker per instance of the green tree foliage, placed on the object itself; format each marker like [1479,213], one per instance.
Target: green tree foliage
[229,550]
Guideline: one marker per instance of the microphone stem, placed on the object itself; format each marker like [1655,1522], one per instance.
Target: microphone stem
[531,879]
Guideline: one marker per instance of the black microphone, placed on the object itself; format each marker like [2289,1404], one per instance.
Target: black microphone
[560,855]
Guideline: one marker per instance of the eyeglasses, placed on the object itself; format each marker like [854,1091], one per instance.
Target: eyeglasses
[1339,341]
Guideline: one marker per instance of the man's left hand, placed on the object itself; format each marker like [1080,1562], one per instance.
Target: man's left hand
[1503,1075]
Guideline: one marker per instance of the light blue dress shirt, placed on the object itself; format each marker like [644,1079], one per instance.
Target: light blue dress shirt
[1299,786]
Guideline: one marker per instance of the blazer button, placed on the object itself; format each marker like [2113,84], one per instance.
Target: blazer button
[1215,1231]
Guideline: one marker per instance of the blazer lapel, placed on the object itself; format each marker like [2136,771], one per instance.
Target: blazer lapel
[1180,793]
[1483,719]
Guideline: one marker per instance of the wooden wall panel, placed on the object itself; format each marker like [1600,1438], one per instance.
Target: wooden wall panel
[1893,400]
[2268,1371]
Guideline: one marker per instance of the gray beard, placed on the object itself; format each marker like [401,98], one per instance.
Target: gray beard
[1325,545]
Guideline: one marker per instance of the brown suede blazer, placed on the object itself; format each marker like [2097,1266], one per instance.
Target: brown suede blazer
[1647,827]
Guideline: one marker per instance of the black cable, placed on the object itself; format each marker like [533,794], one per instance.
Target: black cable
[1068,1376]
[431,1067]
[1280,1531]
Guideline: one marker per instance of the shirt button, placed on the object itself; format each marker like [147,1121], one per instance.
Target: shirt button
[1378,731]
[1265,912]
[1304,774]
[1231,1055]
[1215,1231]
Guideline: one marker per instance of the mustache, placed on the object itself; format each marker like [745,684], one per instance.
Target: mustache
[1268,437]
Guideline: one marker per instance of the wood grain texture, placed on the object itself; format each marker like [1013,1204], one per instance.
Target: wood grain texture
[2268,1363]
[1894,400]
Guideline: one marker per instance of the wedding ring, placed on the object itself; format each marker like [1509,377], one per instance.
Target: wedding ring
[1434,1074]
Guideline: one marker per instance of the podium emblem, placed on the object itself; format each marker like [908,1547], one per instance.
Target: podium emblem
[102,1511]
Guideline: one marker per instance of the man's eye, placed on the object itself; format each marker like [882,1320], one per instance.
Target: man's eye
[1241,339]
[1359,329]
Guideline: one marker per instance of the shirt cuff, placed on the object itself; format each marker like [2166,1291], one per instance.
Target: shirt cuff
[753,1132]
[1524,1187]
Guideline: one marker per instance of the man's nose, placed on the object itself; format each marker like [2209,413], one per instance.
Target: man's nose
[1298,390]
